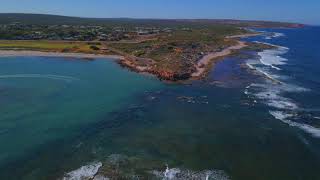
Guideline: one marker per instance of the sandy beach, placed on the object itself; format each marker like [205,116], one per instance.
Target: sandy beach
[203,63]
[15,53]
[201,66]
[206,60]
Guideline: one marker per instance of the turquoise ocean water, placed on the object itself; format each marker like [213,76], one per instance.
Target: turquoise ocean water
[252,118]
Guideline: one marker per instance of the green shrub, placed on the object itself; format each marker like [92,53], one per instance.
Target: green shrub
[94,48]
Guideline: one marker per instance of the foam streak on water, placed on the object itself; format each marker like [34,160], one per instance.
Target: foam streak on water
[85,172]
[181,174]
[272,58]
[271,91]
[273,35]
[284,117]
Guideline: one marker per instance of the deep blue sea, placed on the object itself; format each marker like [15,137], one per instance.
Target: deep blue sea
[292,88]
[255,117]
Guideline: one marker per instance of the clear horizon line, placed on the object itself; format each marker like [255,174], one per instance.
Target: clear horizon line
[157,18]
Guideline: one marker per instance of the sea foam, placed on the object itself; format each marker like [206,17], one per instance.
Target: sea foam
[272,94]
[272,58]
[284,117]
[271,35]
[85,172]
[182,174]
[273,98]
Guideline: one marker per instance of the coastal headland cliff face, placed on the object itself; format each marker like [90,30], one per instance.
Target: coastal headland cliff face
[172,50]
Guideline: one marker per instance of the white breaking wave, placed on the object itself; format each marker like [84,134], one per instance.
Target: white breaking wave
[281,87]
[315,132]
[283,103]
[274,35]
[250,65]
[83,173]
[268,75]
[180,174]
[277,34]
[171,173]
[122,167]
[280,115]
[45,76]
[271,94]
[284,117]
[271,57]
[100,177]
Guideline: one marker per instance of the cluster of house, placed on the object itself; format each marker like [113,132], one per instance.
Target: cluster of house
[151,30]
[19,31]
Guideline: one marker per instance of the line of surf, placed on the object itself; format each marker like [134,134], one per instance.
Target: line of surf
[271,94]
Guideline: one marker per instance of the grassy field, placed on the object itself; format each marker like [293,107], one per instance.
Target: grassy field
[56,46]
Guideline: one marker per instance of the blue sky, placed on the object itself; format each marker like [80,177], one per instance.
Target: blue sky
[304,11]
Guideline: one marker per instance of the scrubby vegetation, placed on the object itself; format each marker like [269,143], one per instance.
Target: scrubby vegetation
[52,46]
[178,51]
[167,48]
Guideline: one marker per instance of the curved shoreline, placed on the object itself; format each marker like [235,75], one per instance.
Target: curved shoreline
[205,61]
[128,61]
[201,67]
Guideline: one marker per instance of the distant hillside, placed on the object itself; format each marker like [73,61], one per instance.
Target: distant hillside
[7,18]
